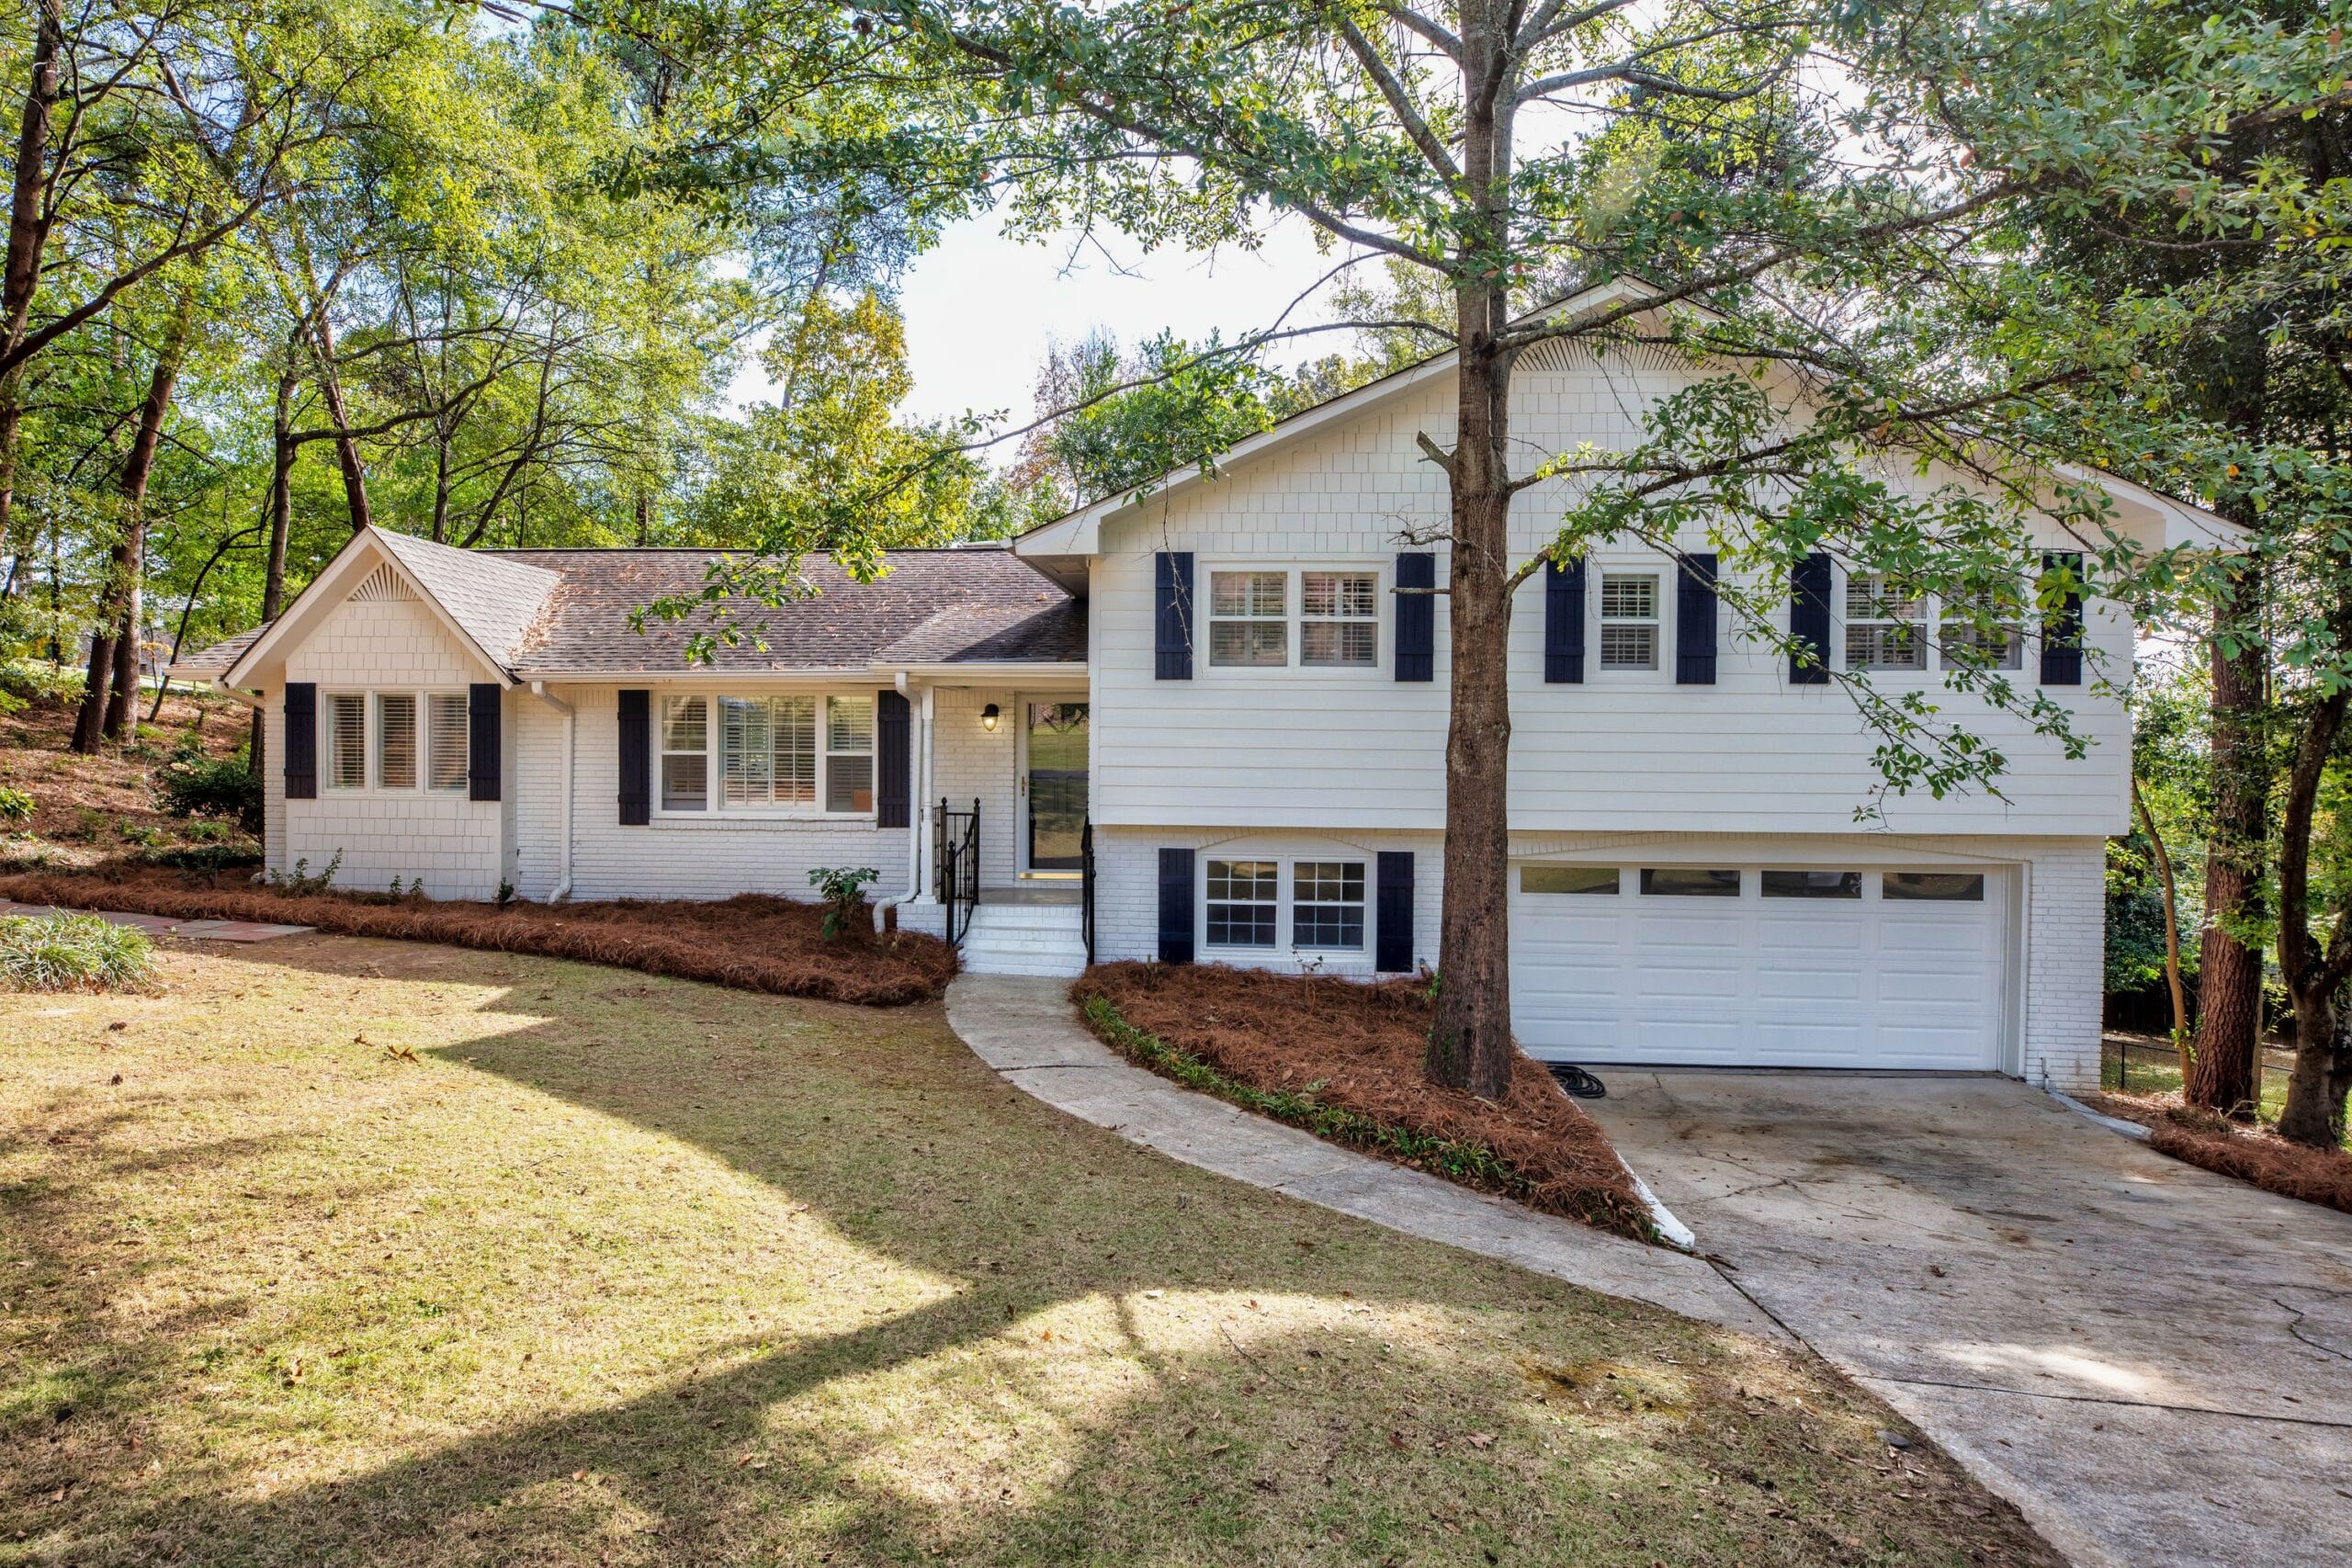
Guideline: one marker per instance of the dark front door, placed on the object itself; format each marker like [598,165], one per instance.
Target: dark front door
[1057,783]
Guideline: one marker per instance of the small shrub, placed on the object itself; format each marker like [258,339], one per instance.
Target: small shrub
[206,832]
[72,952]
[12,704]
[16,807]
[193,784]
[505,892]
[139,834]
[843,890]
[35,680]
[88,821]
[300,881]
[207,860]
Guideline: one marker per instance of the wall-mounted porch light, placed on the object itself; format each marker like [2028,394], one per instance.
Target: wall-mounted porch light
[988,719]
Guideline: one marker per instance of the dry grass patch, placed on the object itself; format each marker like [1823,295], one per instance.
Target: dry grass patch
[1343,1060]
[354,1252]
[753,942]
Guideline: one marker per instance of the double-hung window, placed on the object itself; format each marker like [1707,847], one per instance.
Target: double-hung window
[849,754]
[1629,620]
[1244,902]
[448,736]
[1326,904]
[1338,618]
[396,740]
[1982,630]
[346,740]
[1249,618]
[776,754]
[685,753]
[1883,620]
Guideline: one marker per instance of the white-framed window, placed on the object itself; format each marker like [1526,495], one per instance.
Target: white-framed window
[1338,618]
[1327,905]
[685,744]
[1249,619]
[849,754]
[448,734]
[346,740]
[396,740]
[1882,624]
[1983,631]
[798,753]
[1629,620]
[1244,903]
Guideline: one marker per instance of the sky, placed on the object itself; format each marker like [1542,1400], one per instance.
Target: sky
[980,310]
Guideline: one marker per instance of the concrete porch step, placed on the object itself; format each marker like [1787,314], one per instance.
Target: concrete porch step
[1025,938]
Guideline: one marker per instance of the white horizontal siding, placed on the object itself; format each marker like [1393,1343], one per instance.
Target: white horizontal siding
[1302,748]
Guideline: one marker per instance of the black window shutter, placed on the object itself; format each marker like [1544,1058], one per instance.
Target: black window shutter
[1564,622]
[2061,630]
[1809,621]
[893,789]
[1695,620]
[482,761]
[302,740]
[1415,617]
[1392,942]
[637,759]
[1175,906]
[1172,575]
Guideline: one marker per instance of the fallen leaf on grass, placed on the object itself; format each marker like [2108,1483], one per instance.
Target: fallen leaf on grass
[1481,1440]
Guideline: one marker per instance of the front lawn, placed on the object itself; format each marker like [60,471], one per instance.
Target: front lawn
[354,1251]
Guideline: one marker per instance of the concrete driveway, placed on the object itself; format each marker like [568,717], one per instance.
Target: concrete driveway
[2152,1362]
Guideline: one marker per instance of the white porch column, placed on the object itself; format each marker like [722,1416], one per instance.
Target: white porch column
[927,785]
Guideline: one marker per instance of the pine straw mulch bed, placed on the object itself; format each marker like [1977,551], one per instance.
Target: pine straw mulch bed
[2254,1155]
[753,942]
[1343,1061]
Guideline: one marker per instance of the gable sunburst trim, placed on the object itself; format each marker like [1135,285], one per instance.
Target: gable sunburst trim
[384,583]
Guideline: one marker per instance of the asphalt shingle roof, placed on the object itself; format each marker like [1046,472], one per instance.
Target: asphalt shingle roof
[497,596]
[933,606]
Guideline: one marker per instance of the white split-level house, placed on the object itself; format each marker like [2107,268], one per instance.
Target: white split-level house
[1205,712]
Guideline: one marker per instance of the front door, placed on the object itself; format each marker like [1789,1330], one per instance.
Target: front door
[1054,783]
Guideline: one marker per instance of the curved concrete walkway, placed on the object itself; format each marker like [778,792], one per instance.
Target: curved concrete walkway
[1026,1030]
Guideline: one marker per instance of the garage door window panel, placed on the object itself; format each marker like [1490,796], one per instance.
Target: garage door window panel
[1244,903]
[1689,882]
[1935,886]
[1568,879]
[1813,884]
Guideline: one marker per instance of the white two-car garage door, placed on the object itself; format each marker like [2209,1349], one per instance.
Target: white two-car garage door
[1751,966]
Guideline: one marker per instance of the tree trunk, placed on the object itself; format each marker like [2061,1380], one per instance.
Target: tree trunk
[281,524]
[346,450]
[2313,1114]
[2165,880]
[2225,1068]
[27,237]
[122,707]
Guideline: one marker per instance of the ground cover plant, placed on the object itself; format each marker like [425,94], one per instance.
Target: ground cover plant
[344,1251]
[1343,1060]
[752,943]
[63,951]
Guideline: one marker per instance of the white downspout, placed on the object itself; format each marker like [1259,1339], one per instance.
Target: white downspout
[917,772]
[571,730]
[234,694]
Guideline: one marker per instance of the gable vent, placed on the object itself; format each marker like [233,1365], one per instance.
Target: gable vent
[383,583]
[1561,355]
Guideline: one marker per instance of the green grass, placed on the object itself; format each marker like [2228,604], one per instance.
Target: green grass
[342,1251]
[64,951]
[2153,1070]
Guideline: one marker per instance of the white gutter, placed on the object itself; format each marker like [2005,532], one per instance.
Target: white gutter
[571,732]
[236,693]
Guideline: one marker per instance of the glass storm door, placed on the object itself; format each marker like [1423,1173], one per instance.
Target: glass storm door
[1055,784]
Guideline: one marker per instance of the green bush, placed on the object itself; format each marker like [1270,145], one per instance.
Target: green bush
[72,952]
[16,807]
[36,681]
[208,858]
[193,784]
[842,889]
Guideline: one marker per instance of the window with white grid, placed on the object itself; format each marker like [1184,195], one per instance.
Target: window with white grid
[1244,902]
[1326,904]
[1338,618]
[849,754]
[1882,624]
[1629,620]
[1249,618]
[1982,630]
[685,753]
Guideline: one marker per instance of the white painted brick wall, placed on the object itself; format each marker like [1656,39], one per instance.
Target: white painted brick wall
[2066,964]
[973,762]
[452,843]
[708,857]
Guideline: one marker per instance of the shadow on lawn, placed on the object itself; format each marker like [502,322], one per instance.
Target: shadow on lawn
[945,1168]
